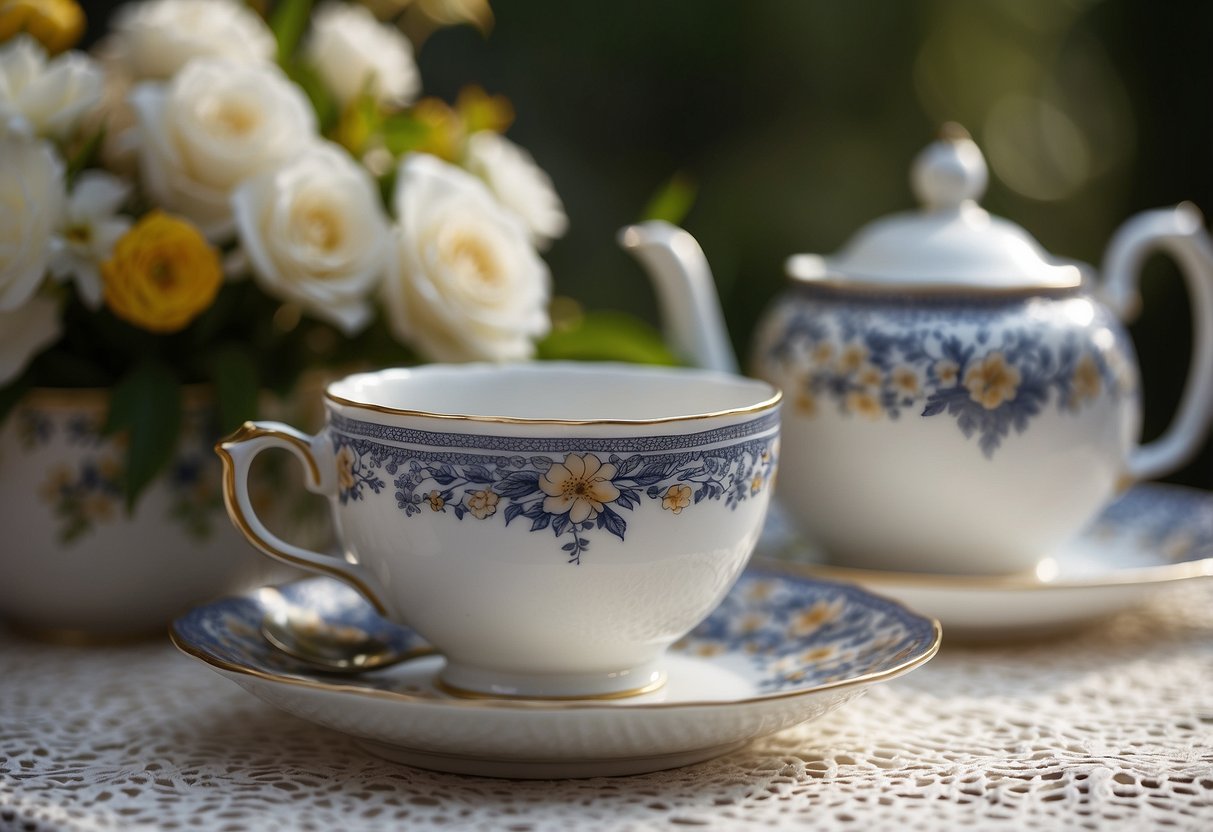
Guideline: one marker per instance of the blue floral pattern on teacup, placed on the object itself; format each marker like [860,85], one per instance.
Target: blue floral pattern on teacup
[789,632]
[572,494]
[879,357]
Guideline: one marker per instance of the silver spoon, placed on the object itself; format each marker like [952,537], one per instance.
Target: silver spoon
[334,648]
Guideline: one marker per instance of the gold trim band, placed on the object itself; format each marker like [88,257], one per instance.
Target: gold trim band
[768,403]
[842,684]
[245,433]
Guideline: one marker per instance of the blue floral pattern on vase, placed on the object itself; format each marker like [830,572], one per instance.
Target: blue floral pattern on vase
[883,356]
[572,492]
[87,491]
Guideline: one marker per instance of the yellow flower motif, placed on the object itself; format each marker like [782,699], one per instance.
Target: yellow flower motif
[906,380]
[853,357]
[822,353]
[435,500]
[760,590]
[752,623]
[98,508]
[56,481]
[162,274]
[756,484]
[579,487]
[817,654]
[1086,383]
[947,371]
[345,468]
[864,403]
[677,497]
[483,504]
[811,619]
[805,404]
[56,24]
[992,381]
[870,376]
[109,468]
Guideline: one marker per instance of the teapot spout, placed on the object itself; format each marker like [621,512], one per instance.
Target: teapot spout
[690,308]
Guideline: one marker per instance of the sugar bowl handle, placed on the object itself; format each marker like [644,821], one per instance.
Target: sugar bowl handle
[1178,232]
[237,452]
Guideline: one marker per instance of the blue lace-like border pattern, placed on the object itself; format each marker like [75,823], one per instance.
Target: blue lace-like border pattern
[880,357]
[571,486]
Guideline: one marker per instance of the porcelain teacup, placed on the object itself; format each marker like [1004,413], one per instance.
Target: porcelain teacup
[550,528]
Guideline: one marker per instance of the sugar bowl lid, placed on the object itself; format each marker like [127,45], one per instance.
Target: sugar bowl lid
[951,241]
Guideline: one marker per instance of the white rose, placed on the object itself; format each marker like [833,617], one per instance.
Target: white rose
[26,331]
[520,184]
[464,282]
[31,203]
[315,234]
[90,227]
[40,97]
[215,124]
[353,51]
[153,40]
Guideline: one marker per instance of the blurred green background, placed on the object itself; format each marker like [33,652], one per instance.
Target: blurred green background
[797,121]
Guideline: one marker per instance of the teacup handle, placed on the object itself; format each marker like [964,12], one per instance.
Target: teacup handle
[1178,232]
[238,452]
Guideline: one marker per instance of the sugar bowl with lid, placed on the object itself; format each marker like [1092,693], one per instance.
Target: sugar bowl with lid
[957,400]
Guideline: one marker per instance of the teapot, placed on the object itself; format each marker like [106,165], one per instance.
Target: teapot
[957,400]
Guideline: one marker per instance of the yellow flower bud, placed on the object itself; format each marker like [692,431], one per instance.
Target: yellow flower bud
[443,129]
[56,24]
[162,274]
[481,111]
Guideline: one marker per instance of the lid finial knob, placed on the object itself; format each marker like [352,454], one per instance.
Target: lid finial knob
[949,171]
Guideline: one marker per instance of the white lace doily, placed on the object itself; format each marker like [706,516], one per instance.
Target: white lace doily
[1110,729]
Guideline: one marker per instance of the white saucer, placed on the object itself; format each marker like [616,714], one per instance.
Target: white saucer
[782,649]
[1152,536]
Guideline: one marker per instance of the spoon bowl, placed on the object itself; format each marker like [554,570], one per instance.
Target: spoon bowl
[306,636]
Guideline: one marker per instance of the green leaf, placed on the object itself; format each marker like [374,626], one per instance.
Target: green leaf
[288,22]
[86,156]
[403,132]
[146,406]
[236,385]
[673,201]
[322,98]
[607,336]
[10,395]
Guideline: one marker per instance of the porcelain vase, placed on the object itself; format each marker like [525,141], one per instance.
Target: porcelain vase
[75,564]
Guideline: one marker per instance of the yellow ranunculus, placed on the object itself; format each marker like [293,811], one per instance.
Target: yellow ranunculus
[56,24]
[162,274]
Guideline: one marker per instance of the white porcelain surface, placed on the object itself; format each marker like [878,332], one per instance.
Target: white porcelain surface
[552,528]
[952,242]
[781,649]
[957,400]
[1151,538]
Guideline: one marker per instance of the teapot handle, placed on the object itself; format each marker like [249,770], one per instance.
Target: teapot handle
[1178,232]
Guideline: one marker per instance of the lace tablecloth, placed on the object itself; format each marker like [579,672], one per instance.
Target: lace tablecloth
[1109,729]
